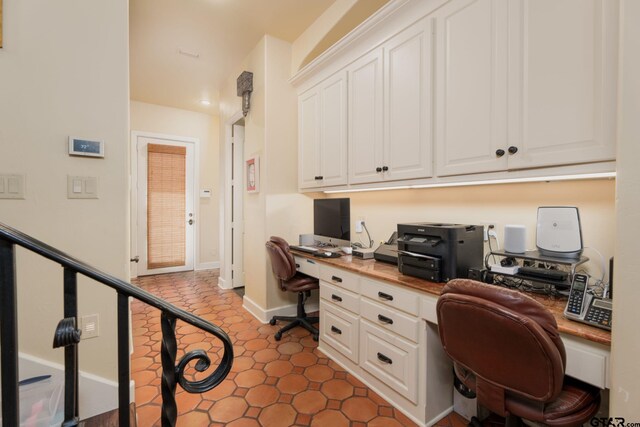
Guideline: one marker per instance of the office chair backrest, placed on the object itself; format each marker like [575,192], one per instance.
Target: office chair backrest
[507,339]
[282,262]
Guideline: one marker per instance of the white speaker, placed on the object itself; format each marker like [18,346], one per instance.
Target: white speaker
[558,231]
[515,238]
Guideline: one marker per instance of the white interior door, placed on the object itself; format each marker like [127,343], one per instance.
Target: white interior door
[165,201]
[237,213]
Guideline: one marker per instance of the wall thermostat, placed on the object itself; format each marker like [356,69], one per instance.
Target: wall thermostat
[85,147]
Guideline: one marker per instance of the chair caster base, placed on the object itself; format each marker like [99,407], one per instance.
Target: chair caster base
[315,337]
[278,336]
[272,322]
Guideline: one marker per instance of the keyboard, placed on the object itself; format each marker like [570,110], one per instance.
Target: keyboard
[307,249]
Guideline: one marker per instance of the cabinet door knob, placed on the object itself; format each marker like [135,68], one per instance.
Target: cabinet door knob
[500,152]
[513,149]
[385,168]
[317,178]
[378,169]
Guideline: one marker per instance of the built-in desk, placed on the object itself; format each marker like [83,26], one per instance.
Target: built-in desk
[381,326]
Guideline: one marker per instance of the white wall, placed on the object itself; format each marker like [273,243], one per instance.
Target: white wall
[625,350]
[172,121]
[64,71]
[498,204]
[271,133]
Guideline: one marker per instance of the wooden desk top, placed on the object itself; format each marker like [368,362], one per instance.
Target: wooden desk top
[390,273]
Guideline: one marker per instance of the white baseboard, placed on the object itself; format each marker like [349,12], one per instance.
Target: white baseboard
[97,395]
[222,284]
[265,315]
[208,265]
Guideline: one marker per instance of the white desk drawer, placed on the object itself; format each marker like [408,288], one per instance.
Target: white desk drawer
[340,278]
[307,266]
[393,296]
[390,358]
[340,297]
[587,361]
[340,330]
[390,319]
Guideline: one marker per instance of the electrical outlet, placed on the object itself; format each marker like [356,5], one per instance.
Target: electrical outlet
[359,225]
[90,326]
[486,225]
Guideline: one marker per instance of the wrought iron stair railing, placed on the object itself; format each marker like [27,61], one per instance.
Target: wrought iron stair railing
[68,336]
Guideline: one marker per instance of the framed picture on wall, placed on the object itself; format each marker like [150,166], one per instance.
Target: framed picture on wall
[253,174]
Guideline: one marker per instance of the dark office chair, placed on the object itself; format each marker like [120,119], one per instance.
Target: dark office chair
[284,267]
[505,346]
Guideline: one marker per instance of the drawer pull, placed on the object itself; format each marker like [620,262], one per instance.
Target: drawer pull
[311,261]
[336,298]
[385,296]
[384,359]
[336,279]
[297,265]
[337,331]
[385,319]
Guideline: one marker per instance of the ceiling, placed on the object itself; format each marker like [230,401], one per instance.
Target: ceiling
[181,51]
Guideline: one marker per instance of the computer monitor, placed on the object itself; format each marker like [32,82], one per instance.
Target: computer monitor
[331,221]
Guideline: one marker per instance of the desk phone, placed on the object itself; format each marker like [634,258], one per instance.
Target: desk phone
[586,308]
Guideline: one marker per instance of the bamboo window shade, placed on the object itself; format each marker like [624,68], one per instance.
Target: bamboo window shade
[166,204]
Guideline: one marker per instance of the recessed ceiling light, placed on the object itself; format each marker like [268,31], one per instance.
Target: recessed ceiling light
[205,102]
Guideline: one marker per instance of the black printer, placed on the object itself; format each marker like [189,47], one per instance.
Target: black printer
[439,252]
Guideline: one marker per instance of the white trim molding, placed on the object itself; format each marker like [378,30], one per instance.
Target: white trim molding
[265,315]
[208,265]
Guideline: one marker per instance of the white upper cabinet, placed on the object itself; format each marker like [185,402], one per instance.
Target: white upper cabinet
[309,139]
[486,89]
[563,84]
[525,84]
[471,86]
[323,134]
[365,119]
[408,146]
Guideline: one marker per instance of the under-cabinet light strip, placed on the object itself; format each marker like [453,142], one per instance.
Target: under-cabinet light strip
[599,175]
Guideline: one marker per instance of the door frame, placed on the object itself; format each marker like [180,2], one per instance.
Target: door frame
[226,245]
[133,160]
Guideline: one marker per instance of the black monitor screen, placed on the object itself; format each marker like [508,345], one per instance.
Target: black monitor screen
[331,218]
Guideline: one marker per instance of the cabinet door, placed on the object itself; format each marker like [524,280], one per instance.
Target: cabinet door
[309,139]
[365,119]
[408,124]
[471,84]
[333,131]
[564,81]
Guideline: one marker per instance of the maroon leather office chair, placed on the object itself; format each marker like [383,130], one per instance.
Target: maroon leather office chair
[290,280]
[506,347]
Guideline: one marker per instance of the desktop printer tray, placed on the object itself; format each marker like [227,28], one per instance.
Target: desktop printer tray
[424,268]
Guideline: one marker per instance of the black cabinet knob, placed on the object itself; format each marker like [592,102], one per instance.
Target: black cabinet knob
[378,169]
[385,168]
[513,149]
[500,152]
[317,178]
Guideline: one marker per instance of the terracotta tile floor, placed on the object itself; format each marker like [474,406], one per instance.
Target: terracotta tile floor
[271,383]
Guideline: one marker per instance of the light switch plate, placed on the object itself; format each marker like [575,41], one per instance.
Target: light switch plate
[90,326]
[12,186]
[82,187]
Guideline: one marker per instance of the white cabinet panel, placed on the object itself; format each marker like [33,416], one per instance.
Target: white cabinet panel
[563,84]
[340,297]
[333,131]
[366,119]
[389,358]
[340,330]
[407,102]
[471,84]
[309,139]
[322,134]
